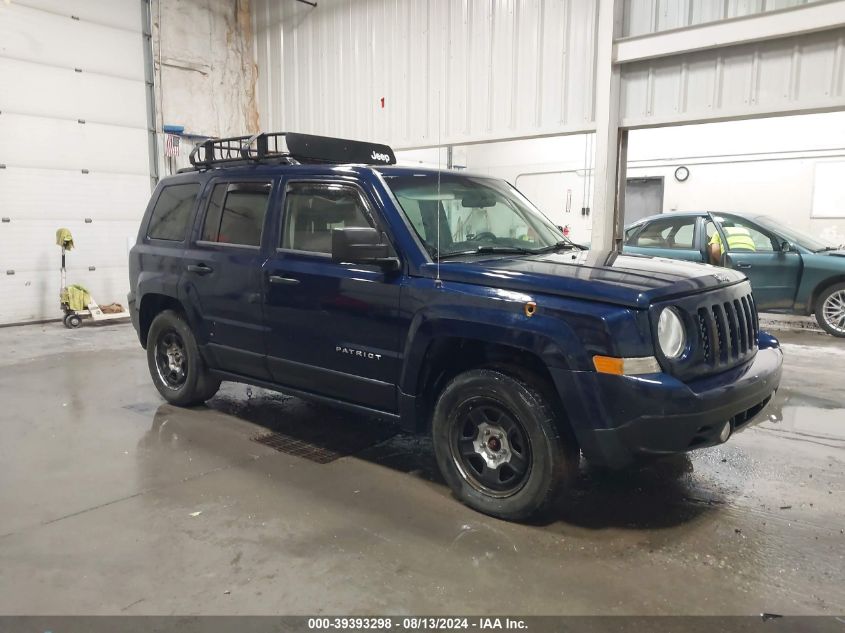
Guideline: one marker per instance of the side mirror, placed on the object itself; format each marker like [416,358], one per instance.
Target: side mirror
[362,245]
[786,246]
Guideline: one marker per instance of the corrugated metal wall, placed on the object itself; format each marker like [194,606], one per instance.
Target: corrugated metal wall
[517,68]
[801,73]
[499,68]
[650,16]
[805,73]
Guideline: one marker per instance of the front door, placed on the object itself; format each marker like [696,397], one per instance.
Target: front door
[333,328]
[753,251]
[223,276]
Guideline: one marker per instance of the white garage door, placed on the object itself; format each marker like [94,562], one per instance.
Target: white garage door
[73,148]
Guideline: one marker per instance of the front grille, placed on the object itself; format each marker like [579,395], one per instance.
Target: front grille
[723,329]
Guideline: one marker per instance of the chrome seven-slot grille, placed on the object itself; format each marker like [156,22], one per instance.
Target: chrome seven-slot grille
[728,331]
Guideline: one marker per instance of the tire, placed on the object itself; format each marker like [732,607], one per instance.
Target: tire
[525,462]
[830,310]
[72,321]
[176,366]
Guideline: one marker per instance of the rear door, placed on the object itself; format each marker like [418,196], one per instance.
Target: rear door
[222,276]
[333,328]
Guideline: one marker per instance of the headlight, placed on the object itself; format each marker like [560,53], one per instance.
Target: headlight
[670,333]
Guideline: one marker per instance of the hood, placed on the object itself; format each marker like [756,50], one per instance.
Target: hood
[631,280]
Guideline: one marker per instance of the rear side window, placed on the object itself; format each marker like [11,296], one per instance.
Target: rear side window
[173,208]
[667,233]
[630,233]
[236,213]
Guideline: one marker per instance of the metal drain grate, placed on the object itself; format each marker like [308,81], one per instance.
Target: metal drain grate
[298,448]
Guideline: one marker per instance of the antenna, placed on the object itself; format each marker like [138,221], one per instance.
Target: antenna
[438,282]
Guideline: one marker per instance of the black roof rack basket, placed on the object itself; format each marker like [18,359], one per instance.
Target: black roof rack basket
[289,147]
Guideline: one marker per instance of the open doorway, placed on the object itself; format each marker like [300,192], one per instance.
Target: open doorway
[643,197]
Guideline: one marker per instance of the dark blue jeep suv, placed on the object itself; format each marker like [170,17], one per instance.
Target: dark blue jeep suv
[444,301]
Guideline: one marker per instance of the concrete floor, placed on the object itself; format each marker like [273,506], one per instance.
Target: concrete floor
[113,502]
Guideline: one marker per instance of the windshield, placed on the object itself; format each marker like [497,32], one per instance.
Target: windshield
[796,237]
[475,215]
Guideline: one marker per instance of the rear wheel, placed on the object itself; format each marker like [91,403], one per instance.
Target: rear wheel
[830,310]
[499,447]
[175,364]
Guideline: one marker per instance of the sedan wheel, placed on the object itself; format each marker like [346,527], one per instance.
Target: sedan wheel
[830,310]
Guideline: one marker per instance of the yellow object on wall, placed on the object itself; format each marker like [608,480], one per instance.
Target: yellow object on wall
[64,238]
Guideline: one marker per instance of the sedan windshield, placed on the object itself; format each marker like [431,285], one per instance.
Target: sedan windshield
[463,215]
[800,238]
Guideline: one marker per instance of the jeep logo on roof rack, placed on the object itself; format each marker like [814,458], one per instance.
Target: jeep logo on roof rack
[286,147]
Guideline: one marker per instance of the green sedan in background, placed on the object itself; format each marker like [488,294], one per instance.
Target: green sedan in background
[789,271]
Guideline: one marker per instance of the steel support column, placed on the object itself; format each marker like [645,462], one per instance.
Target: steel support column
[149,87]
[611,142]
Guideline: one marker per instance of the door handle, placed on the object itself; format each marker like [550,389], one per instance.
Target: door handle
[286,281]
[200,269]
[742,265]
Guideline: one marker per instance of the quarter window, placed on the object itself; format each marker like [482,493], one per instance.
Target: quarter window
[236,213]
[630,233]
[169,220]
[313,210]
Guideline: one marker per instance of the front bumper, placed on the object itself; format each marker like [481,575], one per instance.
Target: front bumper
[618,418]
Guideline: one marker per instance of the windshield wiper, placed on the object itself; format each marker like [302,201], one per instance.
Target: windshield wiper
[483,250]
[828,248]
[557,246]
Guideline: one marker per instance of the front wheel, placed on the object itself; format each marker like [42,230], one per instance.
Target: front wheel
[175,364]
[830,310]
[499,446]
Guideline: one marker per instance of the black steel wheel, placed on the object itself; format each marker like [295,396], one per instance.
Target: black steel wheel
[176,366]
[501,446]
[171,359]
[490,447]
[72,321]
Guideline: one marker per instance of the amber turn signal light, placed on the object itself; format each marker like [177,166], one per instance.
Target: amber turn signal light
[626,366]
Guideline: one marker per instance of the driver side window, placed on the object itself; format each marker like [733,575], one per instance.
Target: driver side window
[742,236]
[669,232]
[313,210]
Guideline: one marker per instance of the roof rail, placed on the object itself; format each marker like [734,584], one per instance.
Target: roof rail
[295,147]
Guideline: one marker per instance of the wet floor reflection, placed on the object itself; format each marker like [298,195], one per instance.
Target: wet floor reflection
[652,495]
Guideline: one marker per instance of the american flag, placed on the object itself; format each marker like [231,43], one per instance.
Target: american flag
[171,145]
